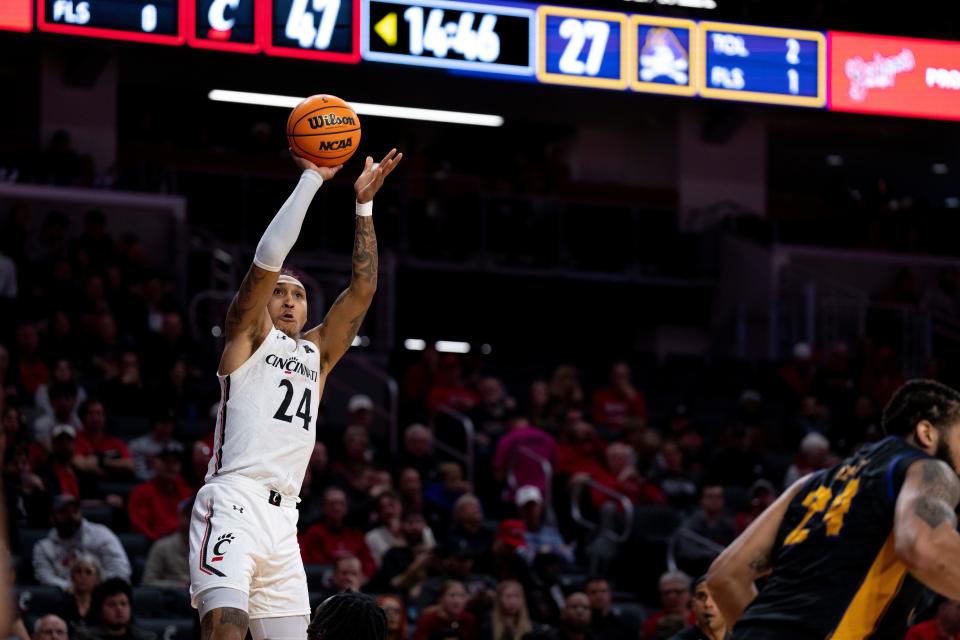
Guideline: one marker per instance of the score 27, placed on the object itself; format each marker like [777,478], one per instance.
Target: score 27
[581,47]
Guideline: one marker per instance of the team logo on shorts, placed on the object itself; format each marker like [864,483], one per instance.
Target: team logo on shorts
[219,549]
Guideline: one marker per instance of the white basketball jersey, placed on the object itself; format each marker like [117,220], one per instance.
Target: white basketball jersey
[266,425]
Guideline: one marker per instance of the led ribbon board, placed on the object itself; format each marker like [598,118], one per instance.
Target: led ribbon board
[227,25]
[762,64]
[894,76]
[453,35]
[157,21]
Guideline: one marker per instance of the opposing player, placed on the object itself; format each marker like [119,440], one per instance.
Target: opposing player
[846,550]
[245,566]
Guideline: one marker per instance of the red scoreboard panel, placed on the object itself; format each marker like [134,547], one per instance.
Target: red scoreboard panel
[227,25]
[311,29]
[16,15]
[157,21]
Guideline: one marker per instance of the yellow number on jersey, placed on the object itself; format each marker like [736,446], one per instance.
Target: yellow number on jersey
[815,502]
[839,507]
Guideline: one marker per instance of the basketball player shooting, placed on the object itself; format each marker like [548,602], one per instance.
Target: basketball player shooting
[245,565]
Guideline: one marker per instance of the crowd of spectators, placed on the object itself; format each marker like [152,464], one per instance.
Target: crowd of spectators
[107,407]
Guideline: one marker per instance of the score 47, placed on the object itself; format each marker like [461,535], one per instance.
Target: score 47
[302,27]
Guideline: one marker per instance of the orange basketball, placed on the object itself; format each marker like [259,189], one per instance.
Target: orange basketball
[324,130]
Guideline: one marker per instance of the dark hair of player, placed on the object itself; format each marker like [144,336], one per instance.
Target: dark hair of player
[348,616]
[919,400]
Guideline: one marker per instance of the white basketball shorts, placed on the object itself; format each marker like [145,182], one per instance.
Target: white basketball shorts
[243,536]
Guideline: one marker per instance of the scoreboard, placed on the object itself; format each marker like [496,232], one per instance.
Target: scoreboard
[542,43]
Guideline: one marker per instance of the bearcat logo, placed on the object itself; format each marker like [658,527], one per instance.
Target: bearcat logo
[219,549]
[330,120]
[336,145]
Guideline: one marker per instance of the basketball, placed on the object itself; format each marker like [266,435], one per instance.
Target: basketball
[324,130]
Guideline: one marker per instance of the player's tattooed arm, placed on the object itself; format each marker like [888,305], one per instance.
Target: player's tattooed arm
[343,320]
[940,494]
[249,304]
[226,623]
[761,564]
[925,533]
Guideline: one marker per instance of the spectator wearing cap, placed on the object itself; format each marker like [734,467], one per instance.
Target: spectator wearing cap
[145,448]
[615,404]
[511,454]
[71,534]
[390,533]
[168,559]
[329,539]
[457,562]
[761,495]
[360,411]
[508,546]
[404,567]
[153,504]
[538,536]
[113,608]
[98,452]
[60,473]
[63,410]
[605,623]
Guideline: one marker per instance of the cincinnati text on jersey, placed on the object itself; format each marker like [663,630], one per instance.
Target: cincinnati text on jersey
[291,365]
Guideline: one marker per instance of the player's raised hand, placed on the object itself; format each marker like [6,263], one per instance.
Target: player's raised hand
[325,172]
[373,175]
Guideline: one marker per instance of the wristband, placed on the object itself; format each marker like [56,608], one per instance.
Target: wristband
[365,210]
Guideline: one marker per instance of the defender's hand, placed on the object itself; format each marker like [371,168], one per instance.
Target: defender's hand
[325,172]
[372,177]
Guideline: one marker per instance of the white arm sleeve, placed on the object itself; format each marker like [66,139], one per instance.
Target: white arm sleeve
[284,229]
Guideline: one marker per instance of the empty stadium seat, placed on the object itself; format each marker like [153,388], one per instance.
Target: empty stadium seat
[159,602]
[315,574]
[102,514]
[135,544]
[28,538]
[39,600]
[168,628]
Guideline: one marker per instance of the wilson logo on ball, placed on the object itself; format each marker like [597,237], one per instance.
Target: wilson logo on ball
[330,120]
[336,145]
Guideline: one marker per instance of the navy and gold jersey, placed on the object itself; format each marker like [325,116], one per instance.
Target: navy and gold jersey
[835,572]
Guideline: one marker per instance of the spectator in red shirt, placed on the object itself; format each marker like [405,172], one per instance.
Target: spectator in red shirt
[580,450]
[449,390]
[98,452]
[329,539]
[621,400]
[522,434]
[449,614]
[622,476]
[945,626]
[153,505]
[60,475]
